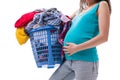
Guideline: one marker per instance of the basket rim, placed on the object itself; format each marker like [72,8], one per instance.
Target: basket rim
[48,27]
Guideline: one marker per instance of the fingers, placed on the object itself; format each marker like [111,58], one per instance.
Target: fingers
[66,50]
[65,47]
[68,43]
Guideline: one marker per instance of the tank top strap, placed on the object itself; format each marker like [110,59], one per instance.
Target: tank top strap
[96,7]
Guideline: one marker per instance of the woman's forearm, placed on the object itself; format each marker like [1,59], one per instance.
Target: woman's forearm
[73,48]
[93,42]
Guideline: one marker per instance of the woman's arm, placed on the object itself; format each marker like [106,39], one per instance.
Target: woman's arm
[74,14]
[104,23]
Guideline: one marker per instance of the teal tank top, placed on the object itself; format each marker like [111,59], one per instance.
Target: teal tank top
[84,27]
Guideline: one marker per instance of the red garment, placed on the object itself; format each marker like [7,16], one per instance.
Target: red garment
[25,19]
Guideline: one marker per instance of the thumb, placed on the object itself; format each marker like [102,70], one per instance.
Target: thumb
[68,43]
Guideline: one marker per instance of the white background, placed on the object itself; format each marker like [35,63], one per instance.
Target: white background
[17,62]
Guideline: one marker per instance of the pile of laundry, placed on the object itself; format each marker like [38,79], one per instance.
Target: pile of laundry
[40,18]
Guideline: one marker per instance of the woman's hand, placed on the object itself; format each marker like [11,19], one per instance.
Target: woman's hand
[71,48]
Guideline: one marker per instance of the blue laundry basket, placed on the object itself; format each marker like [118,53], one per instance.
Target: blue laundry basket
[45,46]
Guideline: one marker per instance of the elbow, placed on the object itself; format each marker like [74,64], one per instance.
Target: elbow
[104,38]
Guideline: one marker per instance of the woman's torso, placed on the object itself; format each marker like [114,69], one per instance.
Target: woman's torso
[84,27]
